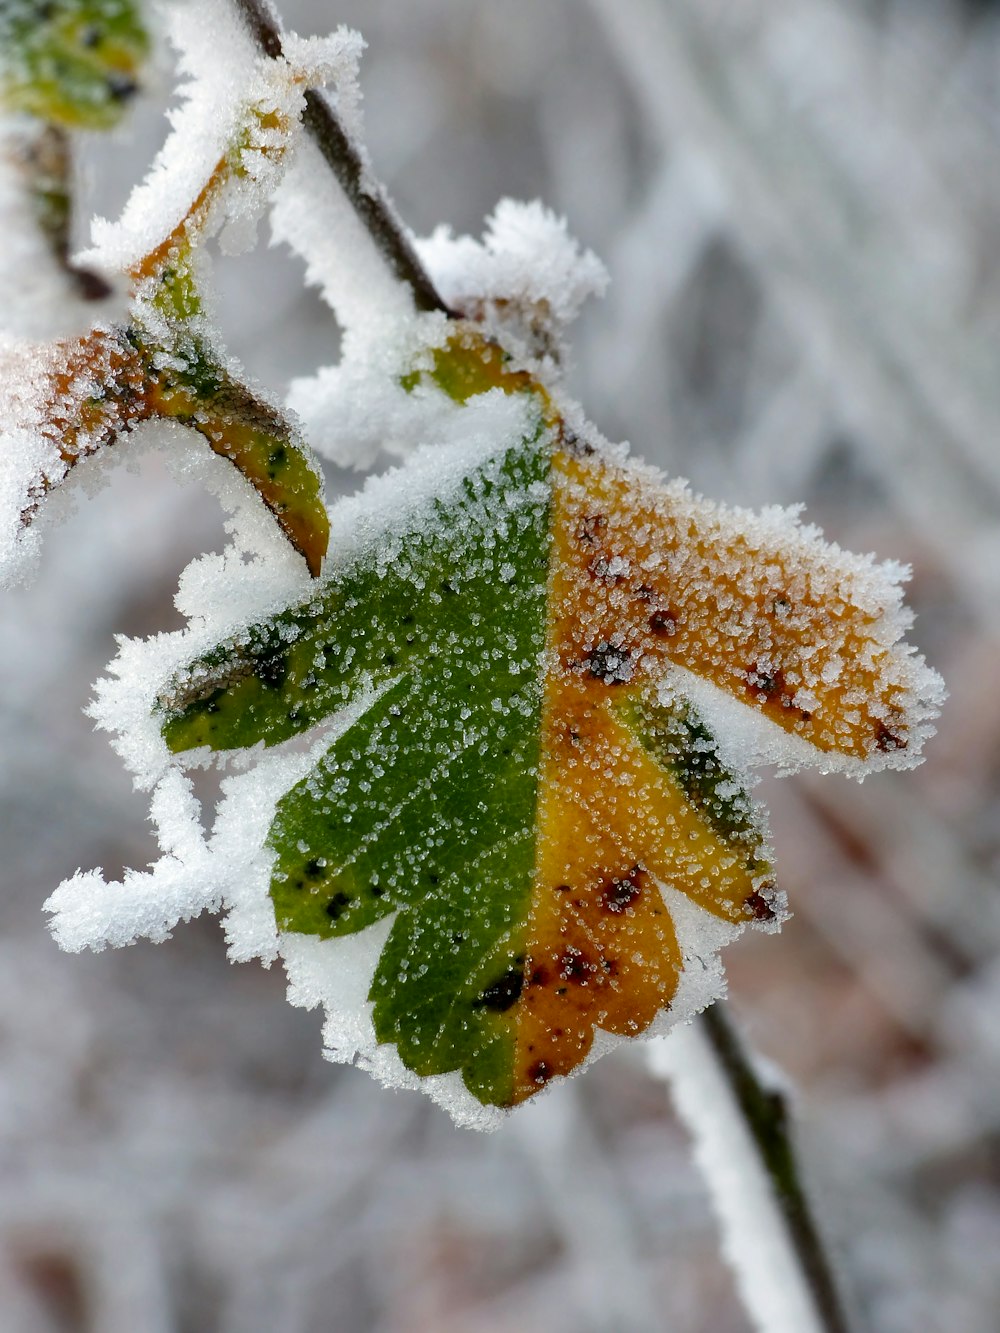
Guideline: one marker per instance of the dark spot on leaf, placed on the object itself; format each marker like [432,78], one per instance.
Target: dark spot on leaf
[376,890]
[539,977]
[447,587]
[758,907]
[336,905]
[618,895]
[887,741]
[662,623]
[502,993]
[772,683]
[389,659]
[611,664]
[575,966]
[313,869]
[539,1073]
[272,672]
[590,528]
[763,681]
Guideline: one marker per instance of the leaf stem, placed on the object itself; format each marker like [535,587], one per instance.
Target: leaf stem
[346,160]
[742,1131]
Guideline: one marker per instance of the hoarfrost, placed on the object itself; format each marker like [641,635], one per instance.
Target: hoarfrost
[527,277]
[755,1237]
[216,95]
[527,257]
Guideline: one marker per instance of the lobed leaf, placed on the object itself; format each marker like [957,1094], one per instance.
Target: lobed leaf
[526,775]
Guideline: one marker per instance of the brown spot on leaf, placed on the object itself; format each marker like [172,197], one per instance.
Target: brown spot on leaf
[589,528]
[575,966]
[610,663]
[663,624]
[619,895]
[887,740]
[758,907]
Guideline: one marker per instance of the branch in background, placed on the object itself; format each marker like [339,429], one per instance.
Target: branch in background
[347,163]
[744,1149]
[42,154]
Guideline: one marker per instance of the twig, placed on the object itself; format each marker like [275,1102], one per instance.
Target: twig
[744,1148]
[347,163]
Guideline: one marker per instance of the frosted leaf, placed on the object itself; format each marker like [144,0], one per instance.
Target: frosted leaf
[212,126]
[520,833]
[230,142]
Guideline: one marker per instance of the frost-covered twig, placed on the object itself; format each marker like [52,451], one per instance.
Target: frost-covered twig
[346,159]
[744,1148]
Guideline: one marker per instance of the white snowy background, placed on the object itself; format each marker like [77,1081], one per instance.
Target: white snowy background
[798,205]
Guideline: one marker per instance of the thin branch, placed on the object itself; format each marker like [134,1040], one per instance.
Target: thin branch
[744,1148]
[347,163]
[765,1110]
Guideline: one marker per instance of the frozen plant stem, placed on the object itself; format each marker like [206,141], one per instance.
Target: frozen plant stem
[744,1149]
[347,163]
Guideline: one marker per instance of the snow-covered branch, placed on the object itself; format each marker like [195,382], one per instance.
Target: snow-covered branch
[743,1145]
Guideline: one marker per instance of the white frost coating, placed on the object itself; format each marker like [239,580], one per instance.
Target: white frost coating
[25,459]
[749,739]
[526,256]
[226,74]
[755,1238]
[485,428]
[89,913]
[28,462]
[356,411]
[311,214]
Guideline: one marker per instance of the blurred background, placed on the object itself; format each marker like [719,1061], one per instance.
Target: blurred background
[799,205]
